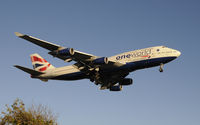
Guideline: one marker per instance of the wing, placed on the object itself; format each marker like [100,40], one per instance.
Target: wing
[39,42]
[78,56]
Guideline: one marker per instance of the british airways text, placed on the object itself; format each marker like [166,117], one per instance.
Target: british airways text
[135,54]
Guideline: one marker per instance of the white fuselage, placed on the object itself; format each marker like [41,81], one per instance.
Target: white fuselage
[132,60]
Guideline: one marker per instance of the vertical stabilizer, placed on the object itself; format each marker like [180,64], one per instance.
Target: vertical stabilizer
[40,64]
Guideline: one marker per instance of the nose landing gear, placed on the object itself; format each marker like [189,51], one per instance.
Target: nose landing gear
[161,67]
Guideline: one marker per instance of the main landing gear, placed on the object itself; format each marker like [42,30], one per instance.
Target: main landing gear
[161,67]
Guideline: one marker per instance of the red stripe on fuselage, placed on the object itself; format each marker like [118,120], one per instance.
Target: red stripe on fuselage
[145,56]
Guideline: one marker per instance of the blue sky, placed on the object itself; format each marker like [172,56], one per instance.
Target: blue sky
[105,28]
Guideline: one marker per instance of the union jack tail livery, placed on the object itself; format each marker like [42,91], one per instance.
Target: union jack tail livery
[40,64]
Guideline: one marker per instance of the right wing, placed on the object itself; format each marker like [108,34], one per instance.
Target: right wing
[78,56]
[39,42]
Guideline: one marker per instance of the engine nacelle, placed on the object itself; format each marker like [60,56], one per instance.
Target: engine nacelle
[66,51]
[100,61]
[116,88]
[126,81]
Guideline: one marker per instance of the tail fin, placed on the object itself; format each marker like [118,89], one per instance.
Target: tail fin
[40,64]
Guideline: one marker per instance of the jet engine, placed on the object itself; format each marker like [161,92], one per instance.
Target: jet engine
[126,81]
[116,88]
[99,61]
[66,51]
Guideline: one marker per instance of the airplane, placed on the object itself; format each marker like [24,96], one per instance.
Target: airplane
[108,72]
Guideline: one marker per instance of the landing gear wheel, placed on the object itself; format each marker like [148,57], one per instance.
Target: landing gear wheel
[91,79]
[96,83]
[161,67]
[97,69]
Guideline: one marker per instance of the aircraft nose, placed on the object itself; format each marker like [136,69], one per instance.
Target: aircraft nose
[178,53]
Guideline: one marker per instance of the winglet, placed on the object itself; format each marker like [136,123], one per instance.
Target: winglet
[19,34]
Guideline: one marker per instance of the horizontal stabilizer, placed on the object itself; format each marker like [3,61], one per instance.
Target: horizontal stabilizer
[27,70]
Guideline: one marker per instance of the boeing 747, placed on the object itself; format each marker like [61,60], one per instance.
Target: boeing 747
[108,72]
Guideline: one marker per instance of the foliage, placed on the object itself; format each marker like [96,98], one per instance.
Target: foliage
[17,114]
